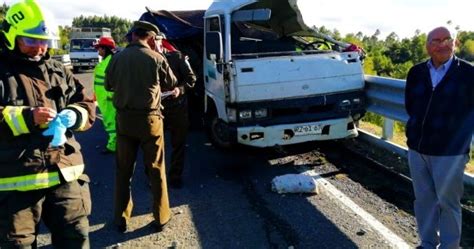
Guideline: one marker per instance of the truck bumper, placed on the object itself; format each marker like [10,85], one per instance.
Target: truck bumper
[259,136]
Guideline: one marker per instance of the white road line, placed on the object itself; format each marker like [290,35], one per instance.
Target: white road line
[392,238]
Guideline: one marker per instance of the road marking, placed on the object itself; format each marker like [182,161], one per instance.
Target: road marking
[392,238]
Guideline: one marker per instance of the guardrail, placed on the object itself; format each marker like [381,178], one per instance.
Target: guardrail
[386,97]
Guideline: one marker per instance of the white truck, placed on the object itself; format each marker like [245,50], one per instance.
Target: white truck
[81,50]
[268,78]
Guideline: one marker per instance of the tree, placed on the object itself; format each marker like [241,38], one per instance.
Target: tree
[3,10]
[118,26]
[467,50]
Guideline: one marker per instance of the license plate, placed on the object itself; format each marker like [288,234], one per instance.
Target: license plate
[302,130]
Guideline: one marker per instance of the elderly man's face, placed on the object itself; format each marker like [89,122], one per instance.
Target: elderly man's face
[440,46]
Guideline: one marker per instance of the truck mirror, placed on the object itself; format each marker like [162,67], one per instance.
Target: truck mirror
[214,46]
[252,15]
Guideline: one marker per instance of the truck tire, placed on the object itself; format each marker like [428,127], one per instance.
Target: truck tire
[217,132]
[75,69]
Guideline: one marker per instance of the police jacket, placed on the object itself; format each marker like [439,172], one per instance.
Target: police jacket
[27,161]
[135,75]
[441,119]
[184,74]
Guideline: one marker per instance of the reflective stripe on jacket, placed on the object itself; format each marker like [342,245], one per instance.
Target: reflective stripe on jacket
[27,161]
[14,117]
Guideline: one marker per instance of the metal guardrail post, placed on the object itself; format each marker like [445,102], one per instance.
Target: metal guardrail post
[388,125]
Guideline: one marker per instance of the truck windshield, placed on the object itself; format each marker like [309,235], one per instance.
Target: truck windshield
[248,38]
[82,45]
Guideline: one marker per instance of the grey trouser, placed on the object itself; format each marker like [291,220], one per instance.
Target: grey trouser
[438,187]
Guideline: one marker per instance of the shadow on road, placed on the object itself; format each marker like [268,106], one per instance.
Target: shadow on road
[228,195]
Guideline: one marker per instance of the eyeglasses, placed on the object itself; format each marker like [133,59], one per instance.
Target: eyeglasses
[442,42]
[32,42]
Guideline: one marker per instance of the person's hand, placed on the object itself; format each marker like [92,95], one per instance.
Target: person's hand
[68,117]
[43,115]
[176,92]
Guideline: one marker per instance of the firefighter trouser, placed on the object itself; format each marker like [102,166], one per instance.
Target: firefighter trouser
[106,107]
[177,123]
[145,131]
[63,208]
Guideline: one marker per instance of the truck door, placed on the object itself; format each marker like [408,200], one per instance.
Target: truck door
[213,61]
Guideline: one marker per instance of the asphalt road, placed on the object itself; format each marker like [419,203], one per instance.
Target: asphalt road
[226,202]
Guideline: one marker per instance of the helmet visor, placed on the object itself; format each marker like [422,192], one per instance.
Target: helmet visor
[33,42]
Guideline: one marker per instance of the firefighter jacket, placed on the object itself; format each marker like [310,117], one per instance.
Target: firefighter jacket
[184,74]
[135,75]
[27,161]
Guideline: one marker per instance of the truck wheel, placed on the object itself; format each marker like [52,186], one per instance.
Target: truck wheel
[219,133]
[75,69]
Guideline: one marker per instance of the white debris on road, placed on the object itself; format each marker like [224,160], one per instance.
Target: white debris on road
[294,183]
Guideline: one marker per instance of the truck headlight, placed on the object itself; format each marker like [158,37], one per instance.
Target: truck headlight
[245,114]
[261,113]
[356,103]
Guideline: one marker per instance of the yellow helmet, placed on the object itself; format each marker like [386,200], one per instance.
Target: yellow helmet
[27,19]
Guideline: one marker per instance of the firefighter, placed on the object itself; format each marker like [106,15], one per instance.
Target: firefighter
[135,76]
[176,111]
[41,176]
[105,47]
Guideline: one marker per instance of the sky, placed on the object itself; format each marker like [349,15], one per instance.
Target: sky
[403,17]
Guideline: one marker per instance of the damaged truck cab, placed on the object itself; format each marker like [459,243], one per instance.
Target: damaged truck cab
[271,80]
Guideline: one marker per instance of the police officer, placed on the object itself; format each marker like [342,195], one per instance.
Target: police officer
[176,111]
[135,75]
[105,47]
[41,177]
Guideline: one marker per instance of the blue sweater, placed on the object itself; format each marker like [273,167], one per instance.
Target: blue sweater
[441,120]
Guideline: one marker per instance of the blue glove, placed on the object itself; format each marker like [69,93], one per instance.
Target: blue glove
[68,117]
[57,127]
[57,130]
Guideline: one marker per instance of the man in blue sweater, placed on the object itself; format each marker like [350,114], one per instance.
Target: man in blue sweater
[439,100]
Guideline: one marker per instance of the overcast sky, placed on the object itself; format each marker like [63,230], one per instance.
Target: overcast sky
[348,16]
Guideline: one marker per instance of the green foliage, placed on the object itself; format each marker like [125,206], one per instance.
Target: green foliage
[467,50]
[118,26]
[378,120]
[393,57]
[373,119]
[3,11]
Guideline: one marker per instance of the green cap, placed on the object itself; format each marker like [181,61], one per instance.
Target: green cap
[148,26]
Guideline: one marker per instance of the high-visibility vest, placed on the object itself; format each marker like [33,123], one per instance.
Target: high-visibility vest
[99,71]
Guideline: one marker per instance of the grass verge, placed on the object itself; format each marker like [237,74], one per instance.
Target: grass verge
[400,139]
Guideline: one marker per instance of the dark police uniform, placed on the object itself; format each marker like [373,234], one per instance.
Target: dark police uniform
[176,114]
[135,75]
